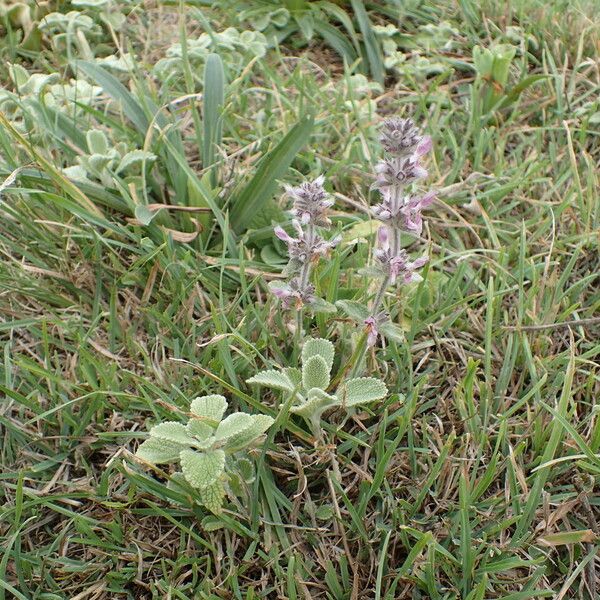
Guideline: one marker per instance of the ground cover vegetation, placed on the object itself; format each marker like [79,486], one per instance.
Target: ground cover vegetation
[299,299]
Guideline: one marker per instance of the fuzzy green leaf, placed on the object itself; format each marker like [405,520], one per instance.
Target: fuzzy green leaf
[171,431]
[201,469]
[211,407]
[212,496]
[157,451]
[355,310]
[246,469]
[315,373]
[361,391]
[273,379]
[234,424]
[260,423]
[202,432]
[318,347]
[317,402]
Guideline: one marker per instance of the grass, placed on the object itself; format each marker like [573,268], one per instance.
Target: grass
[475,479]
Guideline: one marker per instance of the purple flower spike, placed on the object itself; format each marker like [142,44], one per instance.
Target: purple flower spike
[399,266]
[398,172]
[311,202]
[399,136]
[411,212]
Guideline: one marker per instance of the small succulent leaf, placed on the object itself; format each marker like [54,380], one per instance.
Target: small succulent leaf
[318,347]
[246,471]
[276,380]
[355,310]
[172,431]
[211,407]
[361,391]
[232,425]
[317,402]
[260,423]
[315,373]
[157,451]
[212,496]
[202,469]
[294,375]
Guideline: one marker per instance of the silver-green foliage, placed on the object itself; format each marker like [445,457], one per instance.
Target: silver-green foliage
[310,384]
[206,447]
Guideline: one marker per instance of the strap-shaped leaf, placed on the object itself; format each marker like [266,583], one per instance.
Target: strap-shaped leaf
[202,433]
[171,431]
[157,451]
[317,402]
[260,423]
[272,379]
[234,424]
[361,391]
[315,373]
[212,496]
[318,347]
[211,407]
[201,469]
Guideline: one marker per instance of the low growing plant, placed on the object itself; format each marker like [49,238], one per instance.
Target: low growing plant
[210,449]
[310,385]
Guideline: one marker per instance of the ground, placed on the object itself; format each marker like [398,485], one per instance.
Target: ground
[476,478]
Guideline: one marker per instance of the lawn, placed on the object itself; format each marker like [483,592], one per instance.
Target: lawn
[147,154]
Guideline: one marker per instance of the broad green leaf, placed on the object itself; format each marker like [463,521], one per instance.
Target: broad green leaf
[171,431]
[201,469]
[260,423]
[157,451]
[211,407]
[315,373]
[361,391]
[234,424]
[212,496]
[318,347]
[273,379]
[316,403]
[272,167]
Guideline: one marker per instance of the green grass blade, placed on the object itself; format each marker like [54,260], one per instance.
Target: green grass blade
[261,187]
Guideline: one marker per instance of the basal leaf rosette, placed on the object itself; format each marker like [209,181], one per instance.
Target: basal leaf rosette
[310,384]
[205,446]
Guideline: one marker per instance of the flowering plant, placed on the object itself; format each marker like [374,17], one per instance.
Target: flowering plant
[399,211]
